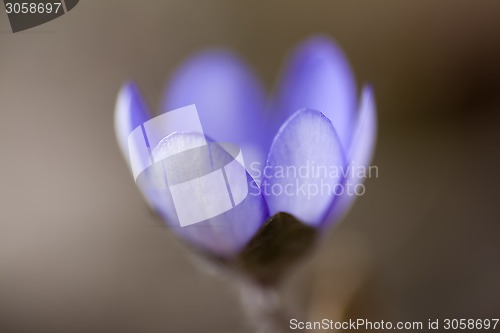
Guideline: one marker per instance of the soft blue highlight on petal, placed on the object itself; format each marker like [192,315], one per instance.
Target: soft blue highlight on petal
[130,111]
[318,76]
[360,153]
[307,141]
[228,97]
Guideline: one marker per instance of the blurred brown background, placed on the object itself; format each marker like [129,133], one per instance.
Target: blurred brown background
[81,252]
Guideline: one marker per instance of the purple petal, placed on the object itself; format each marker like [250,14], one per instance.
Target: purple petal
[302,169]
[130,111]
[204,194]
[228,97]
[360,154]
[319,77]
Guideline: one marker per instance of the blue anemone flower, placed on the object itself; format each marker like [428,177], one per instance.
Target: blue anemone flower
[314,121]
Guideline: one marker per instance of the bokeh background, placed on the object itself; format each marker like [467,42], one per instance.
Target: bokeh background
[81,252]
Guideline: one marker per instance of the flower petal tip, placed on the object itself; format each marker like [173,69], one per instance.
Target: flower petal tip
[130,111]
[318,76]
[359,155]
[298,177]
[225,91]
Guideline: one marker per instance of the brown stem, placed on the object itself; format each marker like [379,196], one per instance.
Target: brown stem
[266,309]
